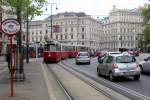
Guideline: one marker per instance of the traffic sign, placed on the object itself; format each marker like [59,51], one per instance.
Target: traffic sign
[10,27]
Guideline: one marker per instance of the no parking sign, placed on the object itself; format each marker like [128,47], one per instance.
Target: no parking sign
[10,27]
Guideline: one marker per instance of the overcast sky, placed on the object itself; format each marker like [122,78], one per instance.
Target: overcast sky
[91,7]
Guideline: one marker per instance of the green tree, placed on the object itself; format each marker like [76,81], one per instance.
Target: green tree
[32,7]
[146,17]
[147,33]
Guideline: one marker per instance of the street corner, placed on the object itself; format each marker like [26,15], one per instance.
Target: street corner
[6,96]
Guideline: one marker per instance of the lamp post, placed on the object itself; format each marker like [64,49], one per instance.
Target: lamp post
[27,39]
[51,4]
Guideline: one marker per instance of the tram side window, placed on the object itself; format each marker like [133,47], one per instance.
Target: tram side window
[58,47]
[52,48]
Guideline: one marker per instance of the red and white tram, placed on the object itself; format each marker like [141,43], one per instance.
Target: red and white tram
[52,52]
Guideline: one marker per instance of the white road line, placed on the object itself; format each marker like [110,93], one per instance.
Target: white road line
[50,90]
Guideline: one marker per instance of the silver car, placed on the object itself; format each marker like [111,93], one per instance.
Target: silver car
[83,57]
[145,65]
[118,65]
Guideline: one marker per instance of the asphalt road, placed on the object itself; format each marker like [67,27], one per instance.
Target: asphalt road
[142,86]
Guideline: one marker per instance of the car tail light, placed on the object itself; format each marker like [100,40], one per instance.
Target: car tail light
[114,66]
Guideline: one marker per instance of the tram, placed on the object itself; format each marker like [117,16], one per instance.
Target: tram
[55,51]
[52,52]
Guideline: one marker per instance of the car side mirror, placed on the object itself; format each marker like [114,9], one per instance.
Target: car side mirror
[145,59]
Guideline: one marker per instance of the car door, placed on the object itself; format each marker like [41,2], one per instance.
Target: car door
[108,65]
[146,65]
[103,66]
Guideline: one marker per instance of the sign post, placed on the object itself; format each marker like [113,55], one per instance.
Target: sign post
[11,27]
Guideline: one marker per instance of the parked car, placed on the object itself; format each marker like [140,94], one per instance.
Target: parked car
[145,65]
[83,57]
[118,65]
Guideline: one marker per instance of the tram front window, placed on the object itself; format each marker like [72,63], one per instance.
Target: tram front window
[51,47]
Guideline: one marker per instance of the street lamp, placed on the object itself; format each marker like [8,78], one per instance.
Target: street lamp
[51,4]
[27,37]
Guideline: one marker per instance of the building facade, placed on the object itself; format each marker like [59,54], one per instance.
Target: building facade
[76,29]
[121,29]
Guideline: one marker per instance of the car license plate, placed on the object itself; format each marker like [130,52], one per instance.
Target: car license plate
[128,73]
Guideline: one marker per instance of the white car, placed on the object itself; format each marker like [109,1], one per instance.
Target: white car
[118,65]
[83,57]
[145,65]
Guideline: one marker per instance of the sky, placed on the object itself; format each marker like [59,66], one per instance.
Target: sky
[95,8]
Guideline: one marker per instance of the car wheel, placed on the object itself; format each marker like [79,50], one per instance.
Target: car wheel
[141,68]
[137,77]
[98,72]
[89,63]
[111,76]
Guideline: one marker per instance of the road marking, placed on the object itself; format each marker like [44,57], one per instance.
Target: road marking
[50,90]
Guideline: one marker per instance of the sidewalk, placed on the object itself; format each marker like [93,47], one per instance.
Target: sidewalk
[33,88]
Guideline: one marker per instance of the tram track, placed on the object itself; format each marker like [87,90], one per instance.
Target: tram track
[122,90]
[109,95]
[69,97]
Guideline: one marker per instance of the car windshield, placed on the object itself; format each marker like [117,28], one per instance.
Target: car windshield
[83,54]
[125,59]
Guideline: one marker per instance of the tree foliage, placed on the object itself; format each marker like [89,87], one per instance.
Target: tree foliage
[146,17]
[32,7]
[147,33]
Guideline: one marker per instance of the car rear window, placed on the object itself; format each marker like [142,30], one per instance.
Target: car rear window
[125,59]
[83,54]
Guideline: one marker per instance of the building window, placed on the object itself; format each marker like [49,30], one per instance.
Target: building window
[65,29]
[131,38]
[36,39]
[32,33]
[65,36]
[71,36]
[82,36]
[61,37]
[32,39]
[40,38]
[24,37]
[40,32]
[56,37]
[82,43]
[46,31]
[82,29]
[71,29]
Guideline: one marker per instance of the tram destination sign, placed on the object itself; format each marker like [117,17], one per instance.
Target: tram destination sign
[10,27]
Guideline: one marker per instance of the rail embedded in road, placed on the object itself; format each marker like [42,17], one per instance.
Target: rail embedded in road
[77,88]
[120,89]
